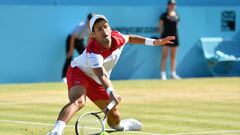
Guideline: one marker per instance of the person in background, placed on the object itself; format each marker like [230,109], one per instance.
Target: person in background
[75,40]
[168,26]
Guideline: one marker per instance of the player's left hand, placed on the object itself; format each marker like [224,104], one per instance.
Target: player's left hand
[163,41]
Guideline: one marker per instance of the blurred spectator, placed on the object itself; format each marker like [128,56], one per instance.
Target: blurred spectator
[75,40]
[168,27]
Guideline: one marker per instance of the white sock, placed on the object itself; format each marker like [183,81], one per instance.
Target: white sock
[59,126]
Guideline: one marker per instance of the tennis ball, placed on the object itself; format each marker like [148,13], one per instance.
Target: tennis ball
[104,133]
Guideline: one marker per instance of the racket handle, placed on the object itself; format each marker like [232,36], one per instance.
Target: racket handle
[111,105]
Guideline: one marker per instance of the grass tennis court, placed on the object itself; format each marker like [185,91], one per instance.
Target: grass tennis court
[193,106]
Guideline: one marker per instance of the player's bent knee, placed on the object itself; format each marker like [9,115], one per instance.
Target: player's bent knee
[79,103]
[76,93]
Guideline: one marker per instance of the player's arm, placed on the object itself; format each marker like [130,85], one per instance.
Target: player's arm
[135,39]
[102,76]
[106,83]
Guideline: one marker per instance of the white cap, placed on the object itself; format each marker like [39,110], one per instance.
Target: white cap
[94,18]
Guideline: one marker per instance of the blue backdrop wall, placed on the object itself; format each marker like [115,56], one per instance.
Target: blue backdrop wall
[121,2]
[32,36]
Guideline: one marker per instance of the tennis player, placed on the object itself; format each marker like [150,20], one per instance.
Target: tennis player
[89,74]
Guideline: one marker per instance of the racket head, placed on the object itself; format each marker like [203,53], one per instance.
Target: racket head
[89,124]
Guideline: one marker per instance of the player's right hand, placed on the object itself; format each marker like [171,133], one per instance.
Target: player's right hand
[115,96]
[166,40]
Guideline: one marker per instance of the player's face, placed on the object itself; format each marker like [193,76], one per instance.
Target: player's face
[102,33]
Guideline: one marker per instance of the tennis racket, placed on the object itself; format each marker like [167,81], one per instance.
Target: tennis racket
[91,123]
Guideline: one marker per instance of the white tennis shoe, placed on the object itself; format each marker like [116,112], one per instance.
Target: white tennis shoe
[163,75]
[175,76]
[131,125]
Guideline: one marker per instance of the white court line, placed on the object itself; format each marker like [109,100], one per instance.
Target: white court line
[191,133]
[135,132]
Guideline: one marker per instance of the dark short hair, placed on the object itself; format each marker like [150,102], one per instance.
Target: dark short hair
[90,15]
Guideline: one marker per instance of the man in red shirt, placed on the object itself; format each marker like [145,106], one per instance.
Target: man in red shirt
[89,74]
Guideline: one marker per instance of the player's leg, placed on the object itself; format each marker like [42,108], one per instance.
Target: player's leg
[99,96]
[173,62]
[163,62]
[113,118]
[77,99]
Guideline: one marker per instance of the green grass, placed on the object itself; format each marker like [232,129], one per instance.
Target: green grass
[164,107]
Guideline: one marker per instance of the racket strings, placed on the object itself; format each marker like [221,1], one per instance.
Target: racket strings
[89,125]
